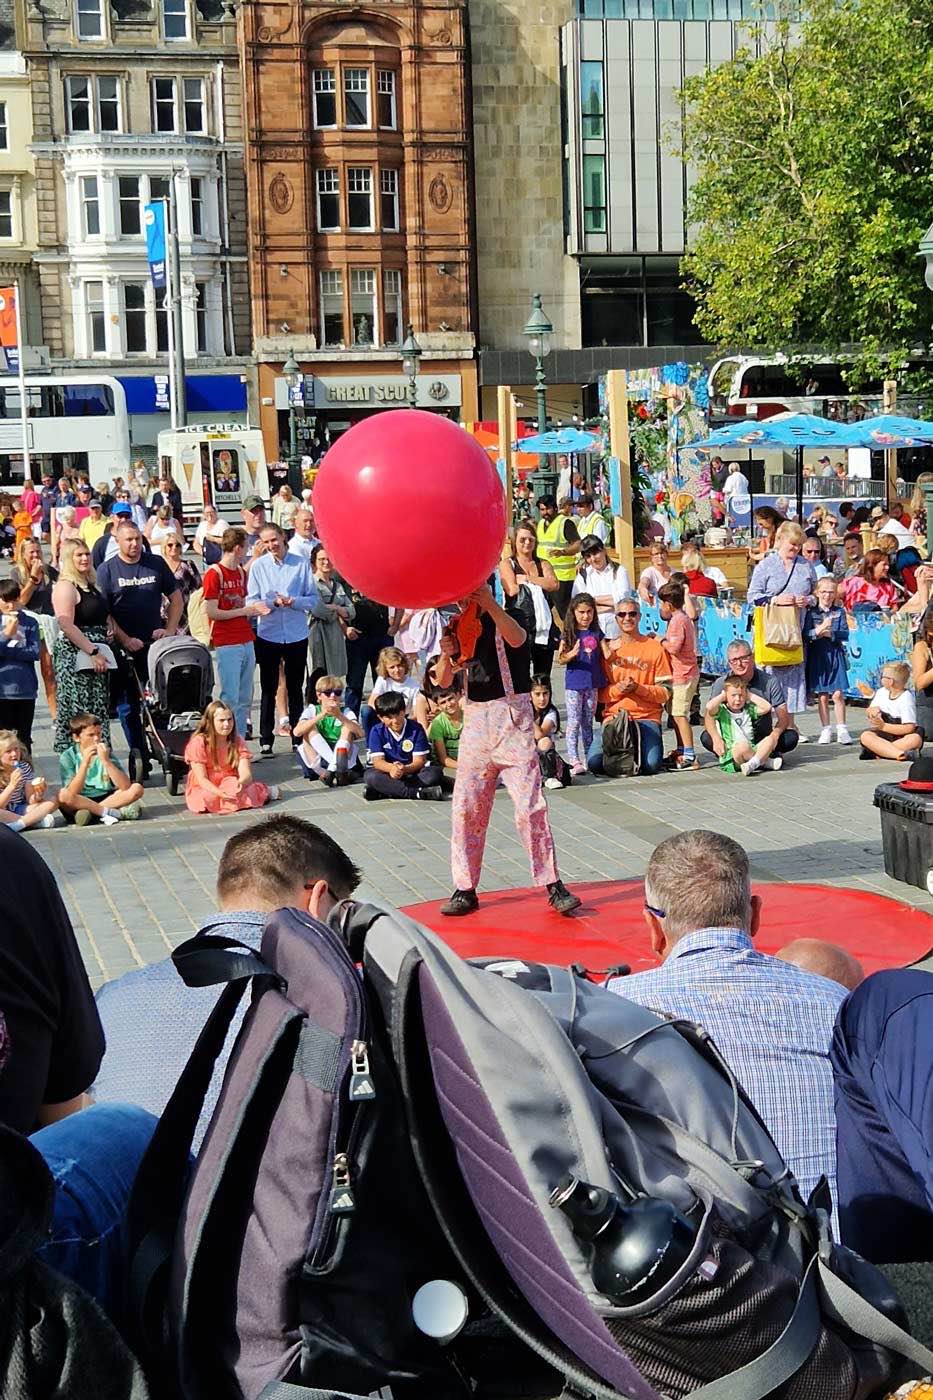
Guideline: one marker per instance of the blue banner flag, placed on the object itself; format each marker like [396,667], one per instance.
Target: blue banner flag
[154,218]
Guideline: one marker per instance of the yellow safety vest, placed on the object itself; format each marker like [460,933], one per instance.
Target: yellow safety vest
[550,542]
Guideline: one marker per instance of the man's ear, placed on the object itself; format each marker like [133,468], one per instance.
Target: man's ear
[656,934]
[755,919]
[319,900]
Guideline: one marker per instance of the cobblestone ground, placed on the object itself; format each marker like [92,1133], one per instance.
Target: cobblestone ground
[137,889]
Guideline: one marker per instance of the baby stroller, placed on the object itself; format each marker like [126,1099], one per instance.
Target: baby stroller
[181,679]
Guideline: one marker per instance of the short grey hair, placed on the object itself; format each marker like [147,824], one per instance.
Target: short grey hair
[701,880]
[739,645]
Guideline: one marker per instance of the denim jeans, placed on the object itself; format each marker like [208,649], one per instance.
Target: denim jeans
[362,655]
[93,1157]
[235,667]
[125,691]
[652,748]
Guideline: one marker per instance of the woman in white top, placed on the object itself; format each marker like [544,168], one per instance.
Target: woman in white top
[160,526]
[210,527]
[285,508]
[658,571]
[606,582]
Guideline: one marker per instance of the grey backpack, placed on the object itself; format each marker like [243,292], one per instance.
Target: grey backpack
[513,1094]
[621,747]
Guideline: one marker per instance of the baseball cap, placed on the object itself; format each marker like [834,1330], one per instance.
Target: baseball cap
[94,502]
[824,459]
[254,502]
[877,512]
[120,508]
[590,544]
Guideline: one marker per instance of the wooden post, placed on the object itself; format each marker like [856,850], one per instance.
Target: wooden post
[889,405]
[620,448]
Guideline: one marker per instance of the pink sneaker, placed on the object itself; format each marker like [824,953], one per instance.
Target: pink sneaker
[578,769]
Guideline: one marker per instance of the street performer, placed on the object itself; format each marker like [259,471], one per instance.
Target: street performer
[492,650]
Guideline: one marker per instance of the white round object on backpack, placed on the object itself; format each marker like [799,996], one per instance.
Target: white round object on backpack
[439,1309]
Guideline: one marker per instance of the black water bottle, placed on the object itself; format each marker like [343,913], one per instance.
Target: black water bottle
[635,1248]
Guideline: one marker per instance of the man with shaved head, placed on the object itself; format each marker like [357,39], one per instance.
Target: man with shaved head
[825,959]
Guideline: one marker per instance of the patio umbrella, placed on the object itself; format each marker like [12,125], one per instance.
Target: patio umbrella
[889,430]
[556,441]
[797,430]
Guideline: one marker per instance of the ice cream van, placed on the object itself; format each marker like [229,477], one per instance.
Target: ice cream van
[218,465]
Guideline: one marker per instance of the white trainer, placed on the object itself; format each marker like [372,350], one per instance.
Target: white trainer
[842,735]
[826,735]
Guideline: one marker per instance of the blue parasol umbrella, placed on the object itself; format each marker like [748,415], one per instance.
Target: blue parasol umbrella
[797,430]
[889,430]
[557,441]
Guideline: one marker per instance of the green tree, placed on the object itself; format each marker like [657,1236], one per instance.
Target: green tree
[812,158]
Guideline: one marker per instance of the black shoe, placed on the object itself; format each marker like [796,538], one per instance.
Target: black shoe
[371,795]
[328,778]
[866,755]
[433,793]
[461,902]
[265,750]
[560,898]
[249,730]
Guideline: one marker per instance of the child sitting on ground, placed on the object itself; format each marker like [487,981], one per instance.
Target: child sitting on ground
[826,631]
[94,786]
[554,771]
[735,711]
[398,755]
[680,643]
[892,717]
[445,730]
[23,803]
[220,780]
[330,736]
[393,672]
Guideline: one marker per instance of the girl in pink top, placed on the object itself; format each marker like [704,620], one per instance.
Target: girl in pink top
[220,778]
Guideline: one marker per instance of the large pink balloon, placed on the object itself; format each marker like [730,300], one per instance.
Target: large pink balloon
[410,509]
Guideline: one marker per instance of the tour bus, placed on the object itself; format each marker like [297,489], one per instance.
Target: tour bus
[218,464]
[74,422]
[756,387]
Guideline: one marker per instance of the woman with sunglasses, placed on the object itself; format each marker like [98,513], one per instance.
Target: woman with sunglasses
[185,573]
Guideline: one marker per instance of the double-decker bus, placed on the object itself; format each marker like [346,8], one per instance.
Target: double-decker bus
[752,386]
[73,422]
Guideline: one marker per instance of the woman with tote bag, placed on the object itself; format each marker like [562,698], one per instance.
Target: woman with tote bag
[781,586]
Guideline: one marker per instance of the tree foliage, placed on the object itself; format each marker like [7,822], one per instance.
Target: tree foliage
[812,158]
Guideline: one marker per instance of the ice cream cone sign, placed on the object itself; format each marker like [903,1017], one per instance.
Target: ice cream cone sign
[187,466]
[251,469]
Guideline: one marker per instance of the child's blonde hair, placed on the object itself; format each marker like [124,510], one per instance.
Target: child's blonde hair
[900,669]
[9,739]
[327,683]
[391,656]
[735,683]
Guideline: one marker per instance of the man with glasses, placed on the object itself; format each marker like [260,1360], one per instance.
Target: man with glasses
[638,680]
[776,725]
[811,551]
[772,1022]
[282,580]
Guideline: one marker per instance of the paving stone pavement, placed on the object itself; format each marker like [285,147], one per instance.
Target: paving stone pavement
[137,889]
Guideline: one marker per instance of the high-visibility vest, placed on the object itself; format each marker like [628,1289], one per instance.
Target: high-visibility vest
[550,542]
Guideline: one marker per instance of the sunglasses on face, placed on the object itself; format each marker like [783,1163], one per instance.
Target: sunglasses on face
[336,693]
[631,612]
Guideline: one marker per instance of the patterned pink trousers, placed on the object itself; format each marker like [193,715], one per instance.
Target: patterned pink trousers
[498,737]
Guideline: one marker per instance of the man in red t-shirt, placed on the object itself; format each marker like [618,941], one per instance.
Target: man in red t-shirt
[231,634]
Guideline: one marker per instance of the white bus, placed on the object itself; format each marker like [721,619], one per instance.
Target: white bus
[753,386]
[74,422]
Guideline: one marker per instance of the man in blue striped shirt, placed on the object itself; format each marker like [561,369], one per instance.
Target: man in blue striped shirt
[772,1021]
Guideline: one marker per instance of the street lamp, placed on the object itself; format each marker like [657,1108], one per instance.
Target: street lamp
[411,356]
[292,373]
[539,330]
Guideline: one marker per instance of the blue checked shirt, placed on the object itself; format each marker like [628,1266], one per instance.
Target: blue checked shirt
[773,1024]
[292,579]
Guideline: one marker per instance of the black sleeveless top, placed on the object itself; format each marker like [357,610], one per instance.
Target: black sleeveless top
[91,608]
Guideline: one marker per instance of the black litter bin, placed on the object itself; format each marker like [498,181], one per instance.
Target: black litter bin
[907,834]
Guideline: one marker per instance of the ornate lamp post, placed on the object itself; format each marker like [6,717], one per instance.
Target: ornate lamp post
[411,357]
[292,373]
[539,330]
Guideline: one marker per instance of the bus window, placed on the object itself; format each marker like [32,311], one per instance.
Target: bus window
[85,401]
[226,474]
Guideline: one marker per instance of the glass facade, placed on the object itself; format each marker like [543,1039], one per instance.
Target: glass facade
[635,301]
[677,9]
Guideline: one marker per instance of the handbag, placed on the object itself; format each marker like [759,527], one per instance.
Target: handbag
[778,638]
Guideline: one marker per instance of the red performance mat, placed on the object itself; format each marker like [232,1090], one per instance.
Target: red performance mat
[610,927]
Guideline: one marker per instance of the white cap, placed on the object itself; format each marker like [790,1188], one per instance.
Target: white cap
[439,1309]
